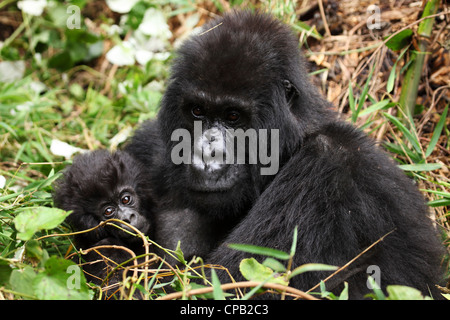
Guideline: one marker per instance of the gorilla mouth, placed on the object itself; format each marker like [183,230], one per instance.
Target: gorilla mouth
[213,181]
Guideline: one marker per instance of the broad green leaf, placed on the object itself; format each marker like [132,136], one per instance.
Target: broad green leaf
[400,40]
[34,250]
[252,270]
[21,281]
[61,280]
[397,292]
[5,272]
[260,250]
[34,219]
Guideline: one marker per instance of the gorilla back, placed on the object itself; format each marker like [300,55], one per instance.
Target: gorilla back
[245,72]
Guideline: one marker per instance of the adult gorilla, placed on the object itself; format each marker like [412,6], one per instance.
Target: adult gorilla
[244,71]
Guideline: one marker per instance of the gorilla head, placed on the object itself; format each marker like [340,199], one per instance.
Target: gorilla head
[99,186]
[241,85]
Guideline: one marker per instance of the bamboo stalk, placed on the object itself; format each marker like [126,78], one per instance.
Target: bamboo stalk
[408,95]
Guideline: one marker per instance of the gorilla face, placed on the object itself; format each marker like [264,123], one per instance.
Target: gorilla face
[99,186]
[214,166]
[122,203]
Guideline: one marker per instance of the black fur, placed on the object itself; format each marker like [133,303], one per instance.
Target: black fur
[96,181]
[341,191]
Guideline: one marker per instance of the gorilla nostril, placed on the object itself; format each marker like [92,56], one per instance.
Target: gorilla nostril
[132,219]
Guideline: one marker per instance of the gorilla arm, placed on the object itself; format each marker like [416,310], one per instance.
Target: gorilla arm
[342,203]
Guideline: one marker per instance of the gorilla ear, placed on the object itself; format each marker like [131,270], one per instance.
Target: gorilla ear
[291,91]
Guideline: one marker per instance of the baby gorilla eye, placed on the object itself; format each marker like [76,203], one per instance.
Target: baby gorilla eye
[109,211]
[126,199]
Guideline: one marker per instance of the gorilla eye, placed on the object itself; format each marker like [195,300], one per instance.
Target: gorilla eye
[109,211]
[198,112]
[126,199]
[233,116]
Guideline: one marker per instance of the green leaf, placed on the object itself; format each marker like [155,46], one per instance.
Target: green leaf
[344,293]
[351,97]
[377,292]
[21,281]
[260,250]
[426,26]
[5,272]
[304,27]
[294,242]
[364,93]
[34,250]
[400,40]
[179,253]
[420,167]
[311,267]
[34,219]
[252,270]
[411,138]
[274,265]
[62,279]
[61,61]
[397,292]
[439,202]
[217,290]
[437,132]
[391,79]
[383,104]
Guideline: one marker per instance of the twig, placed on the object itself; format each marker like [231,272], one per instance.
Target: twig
[324,18]
[210,29]
[353,260]
[243,284]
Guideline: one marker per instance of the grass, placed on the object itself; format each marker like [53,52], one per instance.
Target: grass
[71,93]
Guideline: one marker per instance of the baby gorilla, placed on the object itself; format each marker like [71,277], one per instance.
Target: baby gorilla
[99,186]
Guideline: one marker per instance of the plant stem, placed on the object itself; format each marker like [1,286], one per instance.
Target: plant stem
[413,74]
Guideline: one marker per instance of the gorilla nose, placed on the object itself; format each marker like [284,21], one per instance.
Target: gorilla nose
[129,217]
